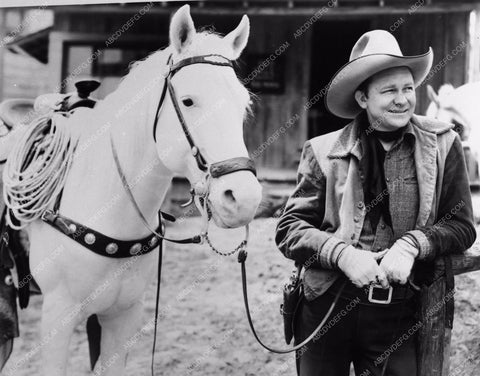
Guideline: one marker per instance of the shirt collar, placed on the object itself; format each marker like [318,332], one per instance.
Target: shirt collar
[348,141]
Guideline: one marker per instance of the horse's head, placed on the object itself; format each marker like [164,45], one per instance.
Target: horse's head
[443,107]
[213,103]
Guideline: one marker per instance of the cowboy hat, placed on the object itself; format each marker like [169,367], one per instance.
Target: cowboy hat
[374,52]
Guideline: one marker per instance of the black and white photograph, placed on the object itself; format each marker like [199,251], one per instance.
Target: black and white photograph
[240,188]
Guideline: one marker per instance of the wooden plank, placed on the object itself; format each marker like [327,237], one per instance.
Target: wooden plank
[468,262]
[271,140]
[456,38]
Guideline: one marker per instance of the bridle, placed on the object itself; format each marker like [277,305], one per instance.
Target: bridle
[216,169]
[200,191]
[462,123]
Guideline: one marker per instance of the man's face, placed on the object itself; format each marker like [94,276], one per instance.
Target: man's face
[389,99]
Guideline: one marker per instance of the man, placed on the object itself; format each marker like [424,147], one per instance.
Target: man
[387,194]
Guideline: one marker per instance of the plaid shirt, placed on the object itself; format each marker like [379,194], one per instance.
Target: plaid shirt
[402,185]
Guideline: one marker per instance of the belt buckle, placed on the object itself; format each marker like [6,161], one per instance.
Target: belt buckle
[371,299]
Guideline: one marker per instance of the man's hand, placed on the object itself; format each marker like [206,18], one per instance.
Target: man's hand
[398,261]
[361,267]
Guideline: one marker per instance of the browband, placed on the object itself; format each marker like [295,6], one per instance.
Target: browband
[212,59]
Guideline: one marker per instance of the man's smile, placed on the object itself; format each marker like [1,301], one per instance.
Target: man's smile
[393,111]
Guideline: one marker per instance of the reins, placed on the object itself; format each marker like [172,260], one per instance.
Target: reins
[242,257]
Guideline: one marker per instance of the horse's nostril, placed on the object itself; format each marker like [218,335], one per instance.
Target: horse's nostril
[229,196]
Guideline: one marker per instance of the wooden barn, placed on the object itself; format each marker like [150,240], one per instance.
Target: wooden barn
[294,49]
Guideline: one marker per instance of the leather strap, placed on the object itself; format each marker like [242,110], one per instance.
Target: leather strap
[157,301]
[212,59]
[201,162]
[195,239]
[242,256]
[159,106]
[232,165]
[97,242]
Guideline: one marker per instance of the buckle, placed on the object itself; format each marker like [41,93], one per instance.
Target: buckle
[377,286]
[46,215]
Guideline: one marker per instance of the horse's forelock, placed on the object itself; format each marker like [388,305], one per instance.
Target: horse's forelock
[206,42]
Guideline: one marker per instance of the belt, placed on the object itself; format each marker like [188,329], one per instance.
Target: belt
[371,295]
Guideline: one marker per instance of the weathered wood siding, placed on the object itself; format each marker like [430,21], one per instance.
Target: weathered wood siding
[24,77]
[278,149]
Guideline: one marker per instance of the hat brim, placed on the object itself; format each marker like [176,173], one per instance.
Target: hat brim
[340,98]
[14,112]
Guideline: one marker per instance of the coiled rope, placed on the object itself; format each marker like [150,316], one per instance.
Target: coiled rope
[36,169]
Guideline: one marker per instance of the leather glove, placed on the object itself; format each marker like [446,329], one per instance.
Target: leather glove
[398,261]
[361,266]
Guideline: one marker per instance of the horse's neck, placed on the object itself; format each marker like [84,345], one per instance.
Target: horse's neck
[94,194]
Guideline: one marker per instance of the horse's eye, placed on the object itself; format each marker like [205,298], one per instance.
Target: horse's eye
[187,102]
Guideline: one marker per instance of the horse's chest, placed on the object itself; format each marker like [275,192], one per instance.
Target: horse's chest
[126,282]
[94,282]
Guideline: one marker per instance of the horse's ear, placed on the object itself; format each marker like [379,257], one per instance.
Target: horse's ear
[433,96]
[239,37]
[182,28]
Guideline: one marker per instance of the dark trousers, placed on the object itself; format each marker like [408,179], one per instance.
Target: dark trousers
[358,333]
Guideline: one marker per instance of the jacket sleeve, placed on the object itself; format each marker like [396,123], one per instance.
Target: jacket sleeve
[454,230]
[298,234]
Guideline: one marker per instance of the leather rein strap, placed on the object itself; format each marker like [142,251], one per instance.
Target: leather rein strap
[242,257]
[192,240]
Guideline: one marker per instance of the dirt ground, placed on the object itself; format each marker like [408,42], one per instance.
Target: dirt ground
[203,329]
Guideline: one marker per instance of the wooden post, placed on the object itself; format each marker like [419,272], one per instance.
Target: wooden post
[434,338]
[432,342]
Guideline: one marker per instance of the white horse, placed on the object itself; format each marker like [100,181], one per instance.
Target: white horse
[76,282]
[460,106]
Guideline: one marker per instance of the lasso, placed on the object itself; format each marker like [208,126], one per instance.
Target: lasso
[36,169]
